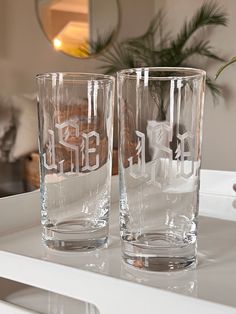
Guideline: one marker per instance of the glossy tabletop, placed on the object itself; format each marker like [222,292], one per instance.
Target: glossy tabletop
[102,278]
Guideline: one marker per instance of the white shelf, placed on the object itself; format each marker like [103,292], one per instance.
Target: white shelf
[100,277]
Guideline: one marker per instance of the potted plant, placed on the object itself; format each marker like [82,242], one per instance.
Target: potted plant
[158,48]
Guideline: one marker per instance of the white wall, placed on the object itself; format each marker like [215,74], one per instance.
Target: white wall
[25,51]
[219,143]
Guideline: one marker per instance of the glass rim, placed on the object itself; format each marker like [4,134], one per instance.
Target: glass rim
[191,73]
[80,77]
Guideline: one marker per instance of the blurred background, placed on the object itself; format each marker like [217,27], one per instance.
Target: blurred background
[41,36]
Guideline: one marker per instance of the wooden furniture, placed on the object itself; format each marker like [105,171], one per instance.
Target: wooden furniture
[31,170]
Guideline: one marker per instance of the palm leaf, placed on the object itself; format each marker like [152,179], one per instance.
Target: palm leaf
[225,66]
[101,42]
[213,87]
[154,47]
[201,48]
[208,14]
[117,58]
[145,48]
[144,55]
[154,27]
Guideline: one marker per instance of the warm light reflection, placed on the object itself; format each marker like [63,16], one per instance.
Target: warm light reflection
[79,28]
[57,43]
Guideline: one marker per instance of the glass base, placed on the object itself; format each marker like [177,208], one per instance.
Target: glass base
[159,252]
[75,235]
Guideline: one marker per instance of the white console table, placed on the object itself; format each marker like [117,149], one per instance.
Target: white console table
[100,277]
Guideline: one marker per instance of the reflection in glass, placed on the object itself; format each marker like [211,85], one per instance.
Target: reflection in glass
[182,282]
[61,304]
[47,302]
[95,261]
[79,28]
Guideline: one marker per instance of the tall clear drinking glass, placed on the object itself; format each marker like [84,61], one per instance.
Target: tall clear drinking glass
[160,134]
[75,114]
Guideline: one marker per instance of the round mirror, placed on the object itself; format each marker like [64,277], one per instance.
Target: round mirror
[79,28]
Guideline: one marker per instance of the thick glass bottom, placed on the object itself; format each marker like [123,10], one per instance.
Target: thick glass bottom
[76,235]
[159,252]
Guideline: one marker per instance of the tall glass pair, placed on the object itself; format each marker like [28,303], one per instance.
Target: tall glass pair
[160,128]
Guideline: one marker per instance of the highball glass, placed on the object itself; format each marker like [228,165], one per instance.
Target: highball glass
[160,135]
[75,114]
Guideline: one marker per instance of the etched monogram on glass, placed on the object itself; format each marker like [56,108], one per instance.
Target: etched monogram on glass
[160,112]
[75,143]
[63,135]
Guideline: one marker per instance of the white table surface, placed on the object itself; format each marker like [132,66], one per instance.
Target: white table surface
[102,278]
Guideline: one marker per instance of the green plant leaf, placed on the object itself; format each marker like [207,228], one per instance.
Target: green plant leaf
[213,87]
[117,58]
[201,48]
[156,47]
[225,66]
[101,42]
[208,14]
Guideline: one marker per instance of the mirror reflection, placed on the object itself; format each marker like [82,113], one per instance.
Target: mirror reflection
[79,28]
